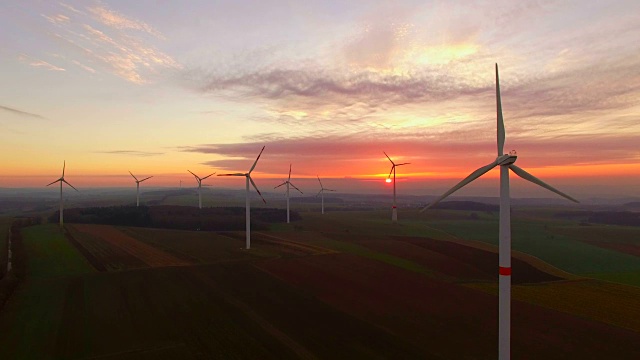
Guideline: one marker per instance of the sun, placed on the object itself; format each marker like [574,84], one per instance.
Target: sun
[388,180]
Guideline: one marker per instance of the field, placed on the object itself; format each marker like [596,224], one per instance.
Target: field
[343,285]
[5,225]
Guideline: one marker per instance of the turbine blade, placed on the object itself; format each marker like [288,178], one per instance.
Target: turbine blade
[390,171]
[284,183]
[385,154]
[319,181]
[296,188]
[525,175]
[53,182]
[65,181]
[329,190]
[289,173]
[64,165]
[474,175]
[501,132]
[319,192]
[403,164]
[206,176]
[193,174]
[146,178]
[255,187]
[234,174]
[133,176]
[255,163]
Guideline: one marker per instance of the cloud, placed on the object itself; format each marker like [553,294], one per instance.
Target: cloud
[38,63]
[71,8]
[57,19]
[21,113]
[113,19]
[111,41]
[432,153]
[323,85]
[130,153]
[84,67]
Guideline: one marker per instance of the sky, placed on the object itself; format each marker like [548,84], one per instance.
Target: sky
[159,87]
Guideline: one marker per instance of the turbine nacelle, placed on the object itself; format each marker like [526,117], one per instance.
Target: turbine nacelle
[506,159]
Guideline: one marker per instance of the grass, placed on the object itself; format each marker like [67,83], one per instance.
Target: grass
[555,245]
[5,225]
[32,318]
[610,303]
[50,254]
[226,307]
[362,251]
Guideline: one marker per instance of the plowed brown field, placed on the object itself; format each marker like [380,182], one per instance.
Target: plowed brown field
[149,255]
[482,260]
[446,318]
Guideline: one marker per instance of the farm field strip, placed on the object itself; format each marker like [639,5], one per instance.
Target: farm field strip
[101,254]
[148,254]
[610,303]
[456,322]
[484,261]
[311,249]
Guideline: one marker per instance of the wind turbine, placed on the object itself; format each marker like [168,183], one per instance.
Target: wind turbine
[394,210]
[321,192]
[62,180]
[288,183]
[506,163]
[138,187]
[199,180]
[248,179]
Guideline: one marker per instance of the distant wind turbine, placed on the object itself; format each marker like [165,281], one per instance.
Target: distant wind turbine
[288,183]
[506,163]
[199,180]
[62,180]
[394,210]
[248,179]
[138,187]
[321,192]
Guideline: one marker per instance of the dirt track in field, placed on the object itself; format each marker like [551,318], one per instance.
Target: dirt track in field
[150,255]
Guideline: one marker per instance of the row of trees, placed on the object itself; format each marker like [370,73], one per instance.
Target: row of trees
[177,217]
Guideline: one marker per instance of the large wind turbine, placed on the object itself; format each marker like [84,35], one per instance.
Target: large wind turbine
[199,180]
[62,180]
[288,183]
[138,187]
[394,210]
[506,163]
[248,179]
[321,192]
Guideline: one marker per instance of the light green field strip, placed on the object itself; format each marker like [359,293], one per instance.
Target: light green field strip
[614,304]
[32,317]
[50,254]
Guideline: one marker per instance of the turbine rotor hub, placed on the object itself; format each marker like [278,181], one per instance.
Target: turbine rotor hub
[507,159]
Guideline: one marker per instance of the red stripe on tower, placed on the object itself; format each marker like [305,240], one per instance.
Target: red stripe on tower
[393,207]
[506,271]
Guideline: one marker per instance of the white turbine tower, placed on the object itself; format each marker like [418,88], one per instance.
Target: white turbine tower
[506,163]
[394,210]
[199,180]
[288,183]
[62,180]
[138,187]
[321,192]
[248,179]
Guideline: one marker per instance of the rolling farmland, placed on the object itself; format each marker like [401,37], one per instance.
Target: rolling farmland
[410,290]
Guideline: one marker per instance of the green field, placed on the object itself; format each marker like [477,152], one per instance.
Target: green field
[5,225]
[34,313]
[561,243]
[289,298]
